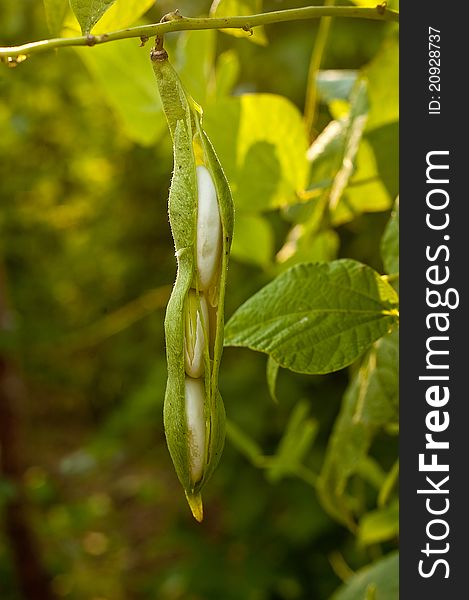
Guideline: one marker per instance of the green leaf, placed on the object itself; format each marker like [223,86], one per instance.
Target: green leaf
[382,575]
[355,126]
[336,84]
[271,374]
[122,13]
[228,8]
[378,378]
[195,55]
[306,244]
[348,445]
[383,85]
[253,240]
[88,12]
[261,141]
[384,142]
[316,318]
[343,165]
[227,72]
[369,402]
[55,14]
[366,192]
[390,243]
[128,84]
[295,444]
[379,525]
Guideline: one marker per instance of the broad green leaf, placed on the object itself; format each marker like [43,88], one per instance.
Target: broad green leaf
[383,85]
[369,402]
[271,374]
[228,8]
[380,525]
[122,13]
[125,75]
[88,12]
[316,318]
[295,444]
[261,141]
[253,240]
[378,378]
[195,55]
[55,14]
[383,575]
[390,243]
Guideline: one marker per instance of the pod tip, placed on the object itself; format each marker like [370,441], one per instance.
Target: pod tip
[195,504]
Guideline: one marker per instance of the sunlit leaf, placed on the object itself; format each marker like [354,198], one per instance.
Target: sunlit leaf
[316,318]
[261,142]
[383,85]
[194,60]
[228,8]
[352,137]
[253,240]
[88,12]
[55,14]
[128,83]
[366,192]
[227,72]
[122,13]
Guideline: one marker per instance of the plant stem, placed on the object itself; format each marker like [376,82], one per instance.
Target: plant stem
[311,101]
[378,13]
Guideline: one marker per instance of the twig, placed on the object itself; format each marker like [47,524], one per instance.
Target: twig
[15,54]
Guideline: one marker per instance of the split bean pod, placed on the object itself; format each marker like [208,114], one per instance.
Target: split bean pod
[201,219]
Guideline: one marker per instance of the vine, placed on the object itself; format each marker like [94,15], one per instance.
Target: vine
[175,22]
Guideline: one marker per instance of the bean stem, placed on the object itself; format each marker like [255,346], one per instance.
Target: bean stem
[14,54]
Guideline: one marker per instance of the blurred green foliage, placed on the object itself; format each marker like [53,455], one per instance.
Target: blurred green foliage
[85,167]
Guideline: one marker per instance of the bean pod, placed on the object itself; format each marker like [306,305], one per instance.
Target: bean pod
[201,219]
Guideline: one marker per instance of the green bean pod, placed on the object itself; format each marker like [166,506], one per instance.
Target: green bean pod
[201,219]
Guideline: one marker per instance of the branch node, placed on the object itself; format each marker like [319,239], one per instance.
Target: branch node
[381,8]
[91,40]
[248,29]
[172,16]
[158,53]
